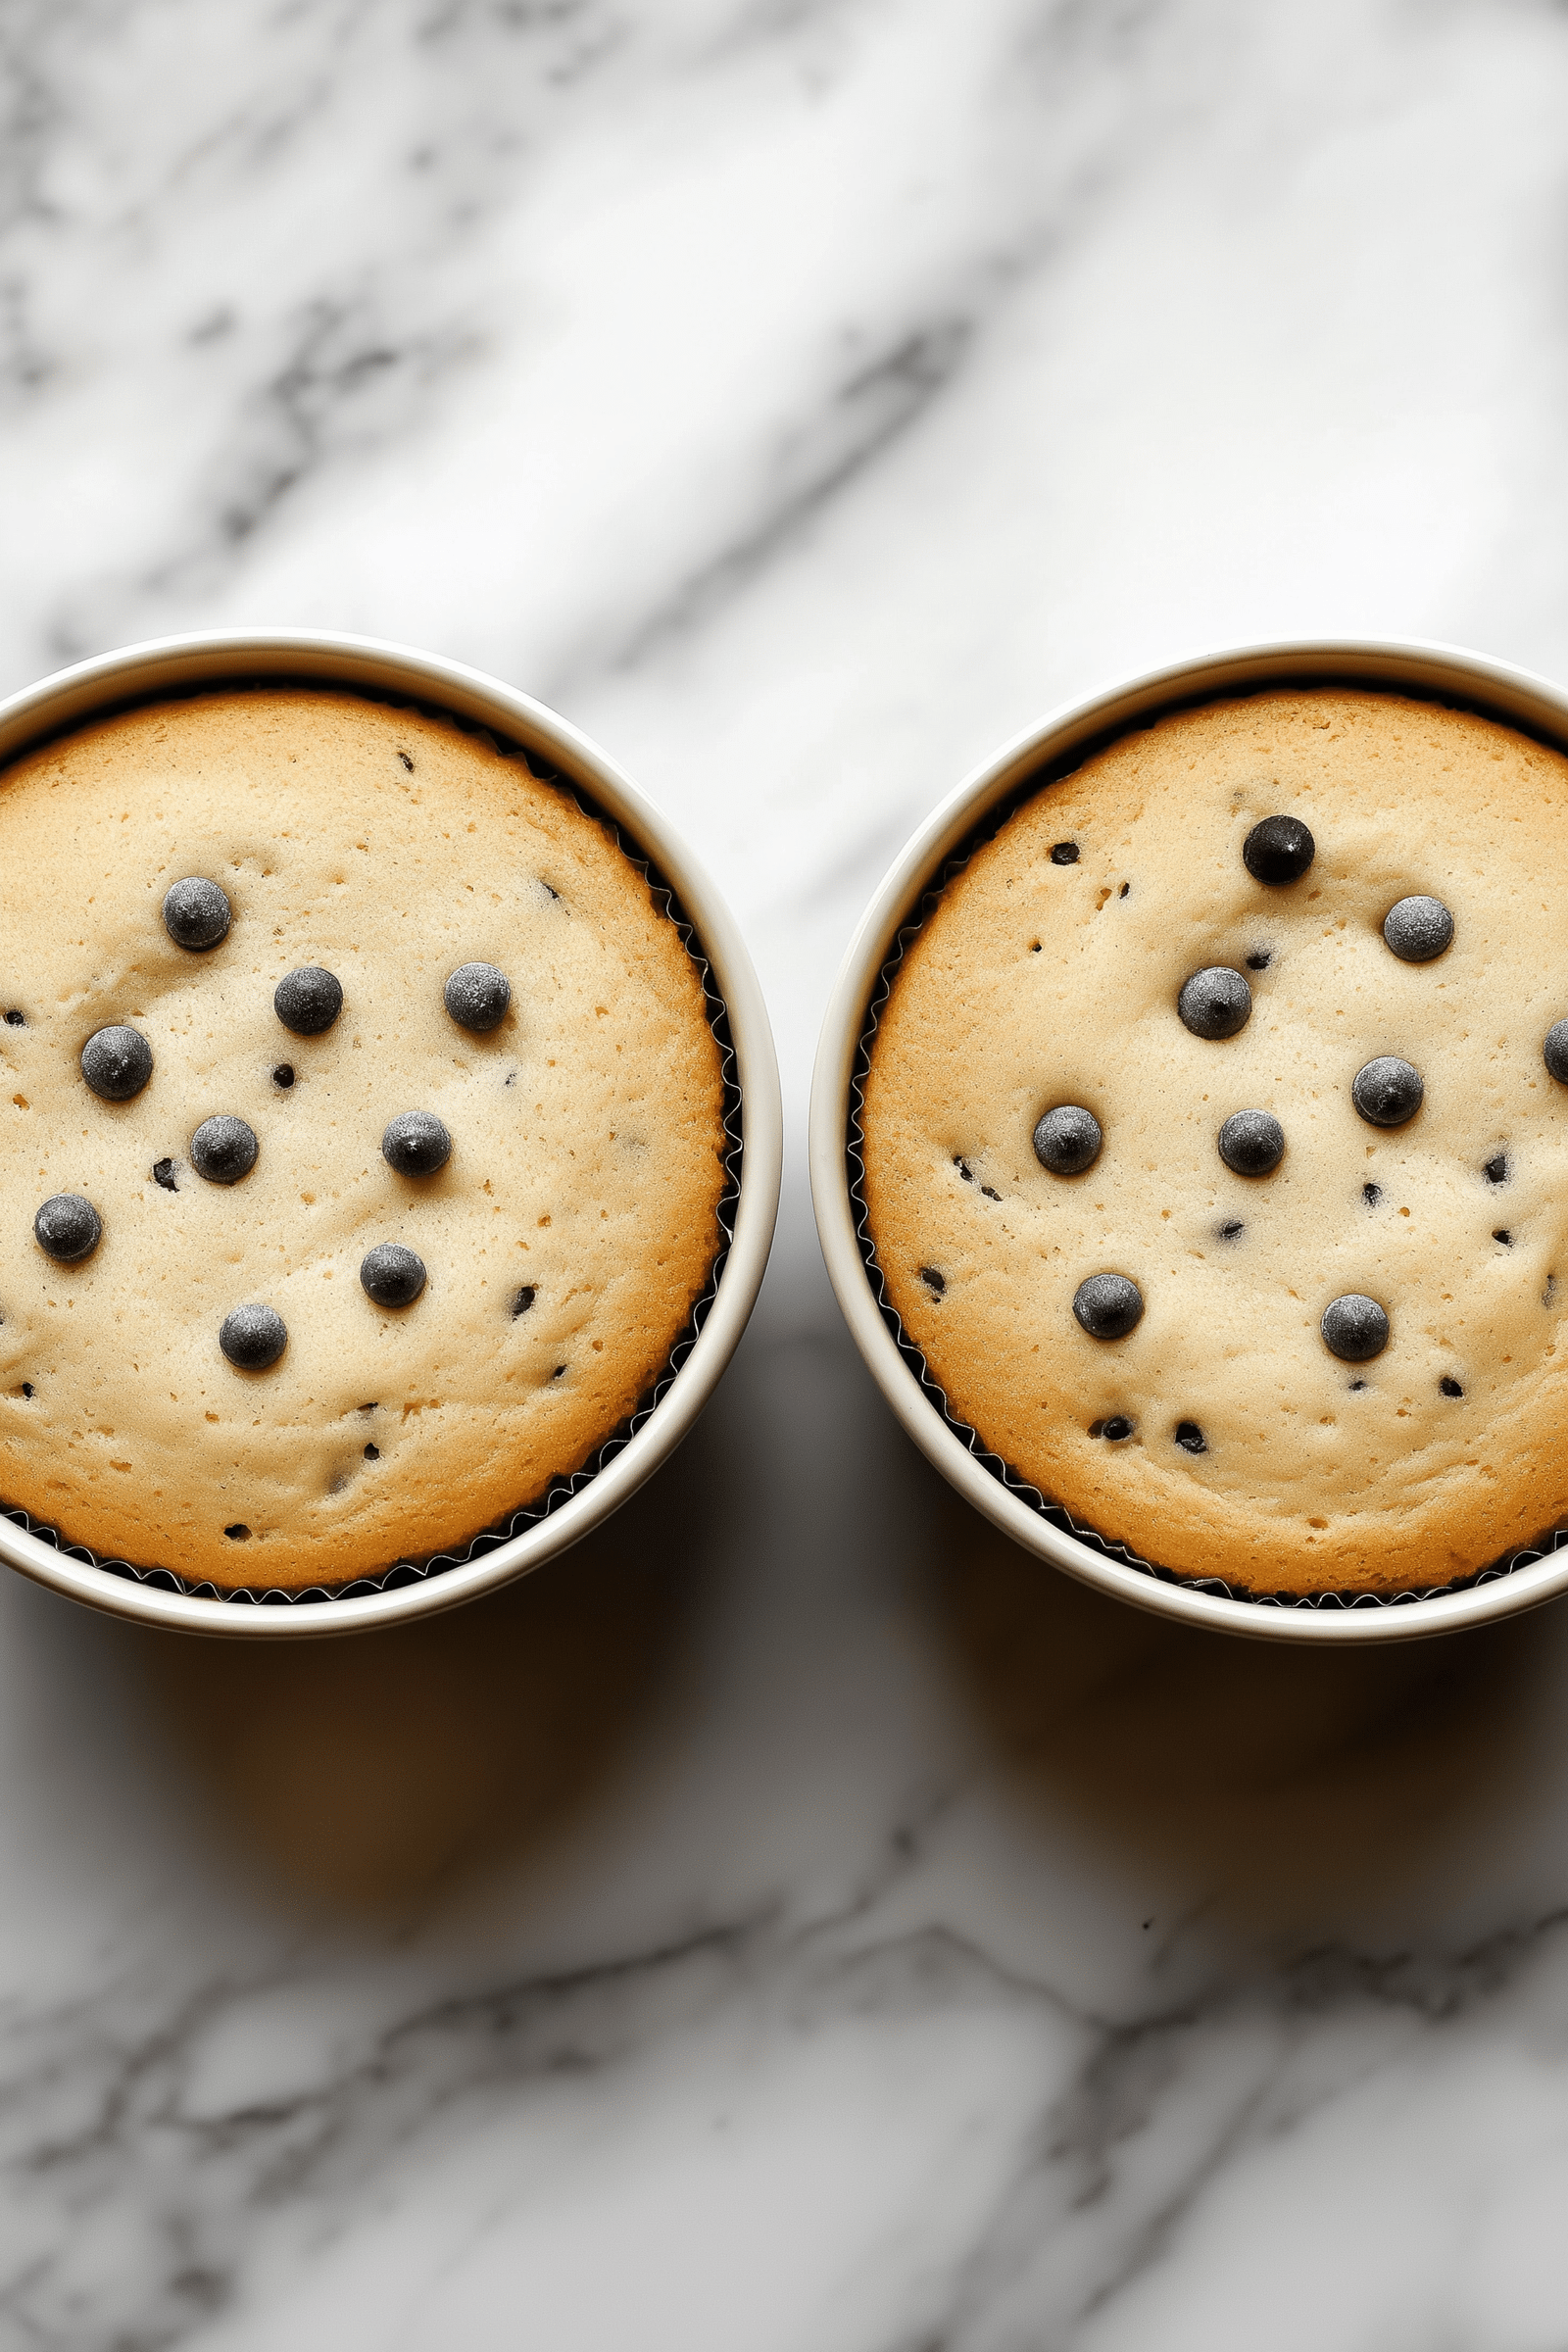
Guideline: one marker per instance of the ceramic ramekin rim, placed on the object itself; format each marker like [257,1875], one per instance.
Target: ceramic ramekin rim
[175,665]
[1432,670]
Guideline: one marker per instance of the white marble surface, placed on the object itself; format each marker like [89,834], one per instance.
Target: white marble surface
[794,1923]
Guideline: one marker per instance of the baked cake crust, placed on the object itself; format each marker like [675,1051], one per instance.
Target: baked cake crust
[586,1165]
[1036,983]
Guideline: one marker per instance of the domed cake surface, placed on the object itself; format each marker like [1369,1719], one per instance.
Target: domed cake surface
[1215,1152]
[293,1355]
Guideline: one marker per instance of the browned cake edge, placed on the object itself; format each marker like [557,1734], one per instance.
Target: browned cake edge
[1387,1571]
[456,1539]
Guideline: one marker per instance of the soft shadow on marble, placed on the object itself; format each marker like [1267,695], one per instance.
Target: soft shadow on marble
[1286,1791]
[796,1921]
[372,1771]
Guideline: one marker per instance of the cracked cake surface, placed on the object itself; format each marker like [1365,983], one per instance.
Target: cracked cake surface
[1214,1156]
[461,1321]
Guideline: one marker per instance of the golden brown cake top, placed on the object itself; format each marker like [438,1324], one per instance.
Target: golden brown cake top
[1221,1436]
[564,1240]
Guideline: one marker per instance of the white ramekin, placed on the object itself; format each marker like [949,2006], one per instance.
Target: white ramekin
[1060,743]
[175,665]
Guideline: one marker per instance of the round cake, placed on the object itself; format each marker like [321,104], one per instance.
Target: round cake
[361,1135]
[1216,1141]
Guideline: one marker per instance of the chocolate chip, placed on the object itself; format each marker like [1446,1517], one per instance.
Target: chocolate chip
[1387,1091]
[1232,1229]
[239,1532]
[1503,1236]
[1067,1140]
[416,1144]
[117,1062]
[308,1001]
[934,1282]
[523,1301]
[253,1337]
[67,1227]
[1252,1143]
[1190,1438]
[1278,849]
[1216,1001]
[1354,1328]
[163,1174]
[196,913]
[1553,1052]
[1117,1428]
[478,996]
[1108,1306]
[18,1021]
[1065,852]
[283,1074]
[224,1149]
[1418,929]
[373,1453]
[26,1388]
[1450,1387]
[1371,1193]
[1496,1170]
[391,1275]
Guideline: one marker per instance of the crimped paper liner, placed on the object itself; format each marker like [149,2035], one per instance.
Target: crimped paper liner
[561,1489]
[1057,1513]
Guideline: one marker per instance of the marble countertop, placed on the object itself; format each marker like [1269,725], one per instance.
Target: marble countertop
[795,1921]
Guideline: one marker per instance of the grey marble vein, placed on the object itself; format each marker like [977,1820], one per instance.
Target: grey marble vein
[795,1920]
